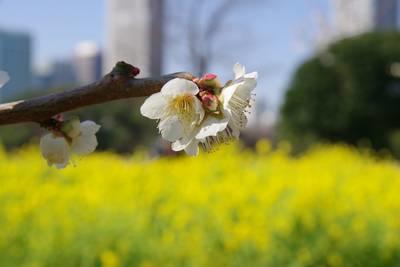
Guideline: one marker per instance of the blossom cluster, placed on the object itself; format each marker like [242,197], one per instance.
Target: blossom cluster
[68,136]
[191,113]
[202,112]
[64,137]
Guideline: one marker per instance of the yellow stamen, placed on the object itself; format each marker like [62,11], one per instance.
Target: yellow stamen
[183,106]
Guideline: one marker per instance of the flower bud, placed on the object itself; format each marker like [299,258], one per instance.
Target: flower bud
[71,127]
[209,101]
[210,80]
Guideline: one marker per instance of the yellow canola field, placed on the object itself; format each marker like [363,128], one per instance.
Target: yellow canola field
[333,206]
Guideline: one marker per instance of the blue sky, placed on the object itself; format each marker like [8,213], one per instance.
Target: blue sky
[272,36]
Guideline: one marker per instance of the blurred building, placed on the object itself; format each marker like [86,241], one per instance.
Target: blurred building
[354,17]
[135,34]
[386,14]
[59,73]
[62,73]
[87,62]
[15,58]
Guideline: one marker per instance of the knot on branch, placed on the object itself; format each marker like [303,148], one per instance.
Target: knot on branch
[125,70]
[52,124]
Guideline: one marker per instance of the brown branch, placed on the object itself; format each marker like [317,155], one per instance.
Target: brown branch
[115,85]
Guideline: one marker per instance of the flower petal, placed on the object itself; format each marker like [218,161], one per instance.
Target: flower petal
[235,130]
[239,70]
[84,144]
[252,75]
[55,150]
[199,110]
[241,89]
[61,165]
[154,106]
[89,128]
[171,128]
[245,88]
[191,146]
[179,86]
[211,126]
[179,145]
[4,78]
[192,149]
[228,92]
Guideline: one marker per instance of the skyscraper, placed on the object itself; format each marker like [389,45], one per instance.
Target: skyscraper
[87,62]
[354,17]
[135,34]
[386,14]
[15,58]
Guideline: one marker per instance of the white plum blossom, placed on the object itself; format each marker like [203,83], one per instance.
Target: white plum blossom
[176,107]
[237,97]
[236,100]
[85,142]
[55,149]
[74,136]
[217,117]
[4,78]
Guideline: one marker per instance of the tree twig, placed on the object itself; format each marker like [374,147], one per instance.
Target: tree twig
[118,84]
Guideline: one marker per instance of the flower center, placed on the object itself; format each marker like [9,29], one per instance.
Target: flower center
[183,105]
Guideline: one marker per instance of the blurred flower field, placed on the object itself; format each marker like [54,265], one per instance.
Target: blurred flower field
[333,206]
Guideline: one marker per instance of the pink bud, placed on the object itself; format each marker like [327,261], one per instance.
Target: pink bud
[209,76]
[210,101]
[210,80]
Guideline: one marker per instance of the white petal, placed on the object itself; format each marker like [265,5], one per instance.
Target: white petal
[228,92]
[192,148]
[239,70]
[235,130]
[171,128]
[55,150]
[211,126]
[241,89]
[250,83]
[84,144]
[183,142]
[154,106]
[179,86]
[89,128]
[199,110]
[61,165]
[245,88]
[4,78]
[180,144]
[252,75]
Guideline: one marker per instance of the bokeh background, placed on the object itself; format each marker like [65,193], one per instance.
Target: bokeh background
[314,180]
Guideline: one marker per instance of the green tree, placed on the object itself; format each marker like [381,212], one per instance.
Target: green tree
[348,93]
